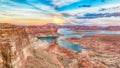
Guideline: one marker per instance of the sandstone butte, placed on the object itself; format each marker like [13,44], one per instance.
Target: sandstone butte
[18,49]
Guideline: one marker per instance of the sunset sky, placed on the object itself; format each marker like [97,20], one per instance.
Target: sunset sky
[64,12]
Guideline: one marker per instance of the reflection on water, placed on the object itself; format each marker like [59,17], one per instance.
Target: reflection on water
[72,34]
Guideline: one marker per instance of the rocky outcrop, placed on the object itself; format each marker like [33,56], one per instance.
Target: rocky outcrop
[113,28]
[78,28]
[63,56]
[42,31]
[40,59]
[50,56]
[18,50]
[100,43]
[13,41]
[104,51]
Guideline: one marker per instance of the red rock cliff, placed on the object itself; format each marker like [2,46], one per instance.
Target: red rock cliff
[13,40]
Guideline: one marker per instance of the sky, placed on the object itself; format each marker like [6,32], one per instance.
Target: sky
[63,12]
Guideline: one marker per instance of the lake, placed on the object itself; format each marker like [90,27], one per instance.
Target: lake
[67,33]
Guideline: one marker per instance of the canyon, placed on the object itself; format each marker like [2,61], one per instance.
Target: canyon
[42,31]
[102,49]
[20,48]
[84,27]
[14,42]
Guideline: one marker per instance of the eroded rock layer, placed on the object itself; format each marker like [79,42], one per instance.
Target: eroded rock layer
[13,40]
[104,51]
[17,50]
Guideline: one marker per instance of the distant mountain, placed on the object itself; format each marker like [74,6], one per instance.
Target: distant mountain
[51,24]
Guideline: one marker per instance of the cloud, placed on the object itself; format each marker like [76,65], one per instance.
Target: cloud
[113,21]
[26,14]
[26,11]
[45,8]
[103,14]
[94,9]
[60,3]
[30,13]
[98,15]
[92,15]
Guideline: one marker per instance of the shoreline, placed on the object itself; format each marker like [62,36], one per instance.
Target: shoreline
[20,50]
[98,41]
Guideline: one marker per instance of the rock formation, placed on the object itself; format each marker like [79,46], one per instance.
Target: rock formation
[104,51]
[18,50]
[13,41]
[42,31]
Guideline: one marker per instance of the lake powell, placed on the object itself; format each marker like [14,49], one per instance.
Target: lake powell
[68,33]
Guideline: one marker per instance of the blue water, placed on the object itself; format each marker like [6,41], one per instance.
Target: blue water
[48,39]
[67,33]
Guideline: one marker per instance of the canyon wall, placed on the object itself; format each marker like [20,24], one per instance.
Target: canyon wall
[103,51]
[18,50]
[41,31]
[13,42]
